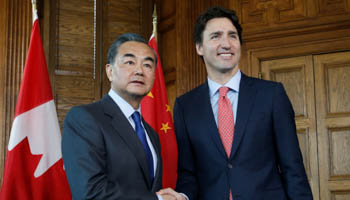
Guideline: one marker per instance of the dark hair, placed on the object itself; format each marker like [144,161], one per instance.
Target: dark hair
[126,37]
[211,13]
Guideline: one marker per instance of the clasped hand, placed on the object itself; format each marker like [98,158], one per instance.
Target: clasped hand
[170,194]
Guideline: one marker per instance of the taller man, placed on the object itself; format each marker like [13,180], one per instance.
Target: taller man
[236,135]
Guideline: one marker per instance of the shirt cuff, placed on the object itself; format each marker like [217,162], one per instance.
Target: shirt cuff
[184,196]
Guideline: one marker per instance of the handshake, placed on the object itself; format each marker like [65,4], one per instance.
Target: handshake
[170,194]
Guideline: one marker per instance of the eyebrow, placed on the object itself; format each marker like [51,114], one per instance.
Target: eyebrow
[129,55]
[233,32]
[133,56]
[216,33]
[149,59]
[221,32]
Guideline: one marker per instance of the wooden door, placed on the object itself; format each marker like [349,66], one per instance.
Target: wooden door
[297,76]
[332,84]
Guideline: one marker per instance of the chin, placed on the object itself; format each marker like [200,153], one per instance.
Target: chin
[225,69]
[228,67]
[137,94]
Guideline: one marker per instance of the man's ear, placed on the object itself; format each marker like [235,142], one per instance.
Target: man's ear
[109,71]
[199,49]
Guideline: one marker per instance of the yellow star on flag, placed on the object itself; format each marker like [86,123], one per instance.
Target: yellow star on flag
[167,108]
[150,95]
[165,127]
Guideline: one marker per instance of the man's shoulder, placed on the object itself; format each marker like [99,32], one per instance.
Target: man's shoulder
[92,108]
[86,107]
[195,93]
[259,83]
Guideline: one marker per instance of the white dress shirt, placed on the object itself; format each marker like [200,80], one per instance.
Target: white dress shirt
[128,110]
[232,94]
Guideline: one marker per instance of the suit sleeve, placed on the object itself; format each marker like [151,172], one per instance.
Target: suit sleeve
[289,155]
[186,182]
[84,157]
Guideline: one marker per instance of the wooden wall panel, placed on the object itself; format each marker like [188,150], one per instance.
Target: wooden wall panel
[327,7]
[15,29]
[293,79]
[74,57]
[339,153]
[338,85]
[333,123]
[340,195]
[167,10]
[190,70]
[3,60]
[169,64]
[304,144]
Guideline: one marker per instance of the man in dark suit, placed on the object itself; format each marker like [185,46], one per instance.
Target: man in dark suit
[109,151]
[236,135]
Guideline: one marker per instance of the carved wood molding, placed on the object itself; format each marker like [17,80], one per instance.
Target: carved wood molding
[17,22]
[334,44]
[265,18]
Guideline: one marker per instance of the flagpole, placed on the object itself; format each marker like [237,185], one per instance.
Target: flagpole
[155,22]
[35,10]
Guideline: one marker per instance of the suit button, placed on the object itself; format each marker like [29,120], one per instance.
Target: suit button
[229,166]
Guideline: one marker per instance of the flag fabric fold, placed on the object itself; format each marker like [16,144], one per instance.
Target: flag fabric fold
[156,111]
[34,166]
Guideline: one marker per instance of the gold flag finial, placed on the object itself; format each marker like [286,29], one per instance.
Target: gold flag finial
[155,20]
[34,9]
[34,4]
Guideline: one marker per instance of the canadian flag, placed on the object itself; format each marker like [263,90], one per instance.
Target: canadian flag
[34,166]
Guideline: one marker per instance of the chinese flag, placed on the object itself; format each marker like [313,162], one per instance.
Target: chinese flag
[156,111]
[34,167]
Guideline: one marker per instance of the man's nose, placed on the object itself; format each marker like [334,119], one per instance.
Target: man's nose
[225,42]
[138,69]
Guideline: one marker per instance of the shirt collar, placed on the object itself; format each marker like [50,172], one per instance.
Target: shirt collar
[124,106]
[233,84]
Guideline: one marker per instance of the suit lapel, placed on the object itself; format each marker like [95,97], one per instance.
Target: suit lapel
[122,126]
[246,99]
[207,116]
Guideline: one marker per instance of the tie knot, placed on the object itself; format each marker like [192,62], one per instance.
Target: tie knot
[223,91]
[136,117]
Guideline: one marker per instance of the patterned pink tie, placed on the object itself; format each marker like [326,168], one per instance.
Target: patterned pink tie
[225,122]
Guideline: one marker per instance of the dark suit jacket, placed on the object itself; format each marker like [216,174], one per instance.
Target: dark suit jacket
[103,157]
[265,161]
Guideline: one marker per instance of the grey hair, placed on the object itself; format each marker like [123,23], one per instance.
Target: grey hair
[126,37]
